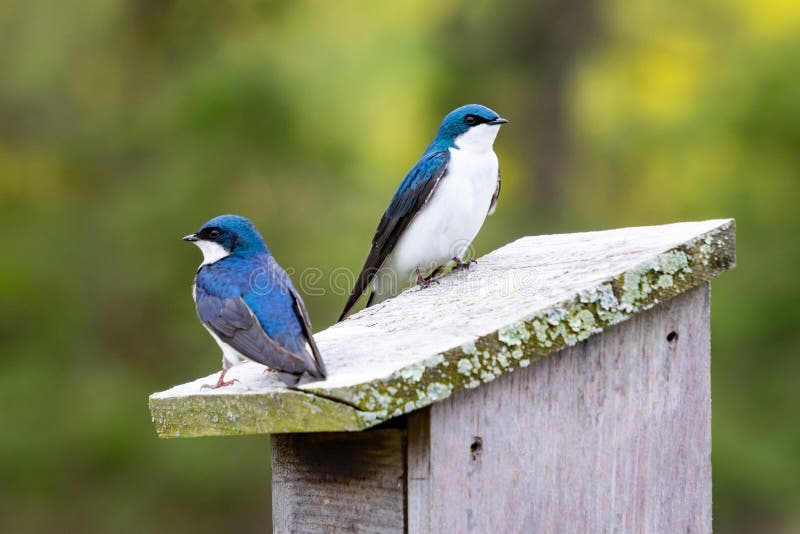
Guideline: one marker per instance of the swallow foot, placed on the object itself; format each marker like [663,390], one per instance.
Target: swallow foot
[428,281]
[221,383]
[462,265]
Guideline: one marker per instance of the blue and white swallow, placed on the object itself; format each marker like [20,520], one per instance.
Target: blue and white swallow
[438,209]
[248,304]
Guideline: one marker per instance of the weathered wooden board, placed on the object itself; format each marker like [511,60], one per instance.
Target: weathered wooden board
[611,435]
[339,482]
[521,302]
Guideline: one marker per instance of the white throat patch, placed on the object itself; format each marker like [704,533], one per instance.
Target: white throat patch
[479,138]
[212,252]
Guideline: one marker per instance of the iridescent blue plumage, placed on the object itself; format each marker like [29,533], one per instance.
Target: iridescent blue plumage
[456,123]
[248,303]
[431,165]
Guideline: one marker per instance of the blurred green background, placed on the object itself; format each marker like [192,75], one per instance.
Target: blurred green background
[125,124]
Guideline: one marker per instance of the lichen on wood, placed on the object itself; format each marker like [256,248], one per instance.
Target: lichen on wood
[248,413]
[522,302]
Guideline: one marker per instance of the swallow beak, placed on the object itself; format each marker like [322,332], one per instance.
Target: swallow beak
[498,120]
[190,237]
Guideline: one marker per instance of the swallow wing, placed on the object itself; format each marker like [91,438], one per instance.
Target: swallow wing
[302,316]
[232,320]
[413,193]
[493,203]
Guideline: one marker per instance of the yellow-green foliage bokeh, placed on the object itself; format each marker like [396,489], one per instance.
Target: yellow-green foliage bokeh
[124,124]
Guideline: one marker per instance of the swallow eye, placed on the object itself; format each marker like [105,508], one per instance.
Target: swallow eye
[213,234]
[471,120]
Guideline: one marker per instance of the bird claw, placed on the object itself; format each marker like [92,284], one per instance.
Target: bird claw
[463,265]
[424,282]
[221,382]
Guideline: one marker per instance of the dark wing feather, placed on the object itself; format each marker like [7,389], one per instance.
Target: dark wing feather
[302,314]
[493,203]
[233,321]
[413,193]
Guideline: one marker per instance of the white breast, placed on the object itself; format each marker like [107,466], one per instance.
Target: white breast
[447,224]
[212,252]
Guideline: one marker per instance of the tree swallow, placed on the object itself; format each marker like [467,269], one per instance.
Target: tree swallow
[248,303]
[438,209]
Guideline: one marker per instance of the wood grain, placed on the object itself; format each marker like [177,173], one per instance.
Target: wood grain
[339,482]
[612,435]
